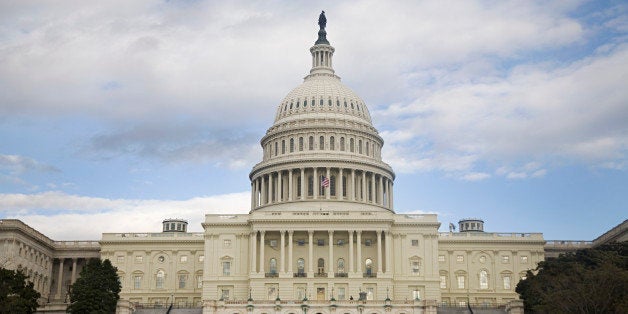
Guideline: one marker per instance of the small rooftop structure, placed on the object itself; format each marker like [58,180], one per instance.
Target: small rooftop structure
[471,225]
[175,225]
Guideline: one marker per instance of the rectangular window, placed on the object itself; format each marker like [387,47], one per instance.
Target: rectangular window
[370,293]
[139,258]
[183,258]
[300,293]
[340,242]
[367,242]
[320,242]
[300,242]
[443,282]
[225,294]
[507,283]
[226,244]
[137,282]
[460,282]
[460,258]
[182,280]
[505,258]
[226,268]
[341,293]
[273,243]
[416,294]
[120,259]
[415,242]
[415,267]
[441,258]
[524,259]
[201,258]
[199,281]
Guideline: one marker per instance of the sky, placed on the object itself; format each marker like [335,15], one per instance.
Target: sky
[115,115]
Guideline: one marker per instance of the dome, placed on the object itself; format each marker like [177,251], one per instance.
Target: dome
[322,149]
[322,94]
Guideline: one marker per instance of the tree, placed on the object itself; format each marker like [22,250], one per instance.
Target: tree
[17,295]
[587,281]
[97,290]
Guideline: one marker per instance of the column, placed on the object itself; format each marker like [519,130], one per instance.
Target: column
[392,199]
[253,194]
[59,279]
[316,183]
[373,195]
[74,260]
[270,188]
[388,185]
[302,187]
[283,252]
[351,269]
[352,186]
[290,185]
[364,197]
[262,194]
[279,197]
[261,252]
[290,243]
[340,189]
[379,251]
[328,189]
[388,244]
[253,241]
[381,190]
[310,257]
[359,257]
[330,271]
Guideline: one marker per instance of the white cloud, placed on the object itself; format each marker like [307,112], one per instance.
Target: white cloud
[85,218]
[475,176]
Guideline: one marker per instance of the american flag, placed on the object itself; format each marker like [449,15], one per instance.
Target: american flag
[325,182]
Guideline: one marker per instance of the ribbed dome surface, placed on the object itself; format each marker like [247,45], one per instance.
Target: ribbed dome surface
[322,94]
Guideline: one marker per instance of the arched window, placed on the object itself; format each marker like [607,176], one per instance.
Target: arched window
[415,265]
[276,148]
[321,266]
[367,148]
[159,281]
[183,278]
[332,143]
[321,143]
[483,279]
[351,149]
[273,266]
[292,145]
[341,265]
[360,146]
[310,186]
[368,265]
[299,186]
[321,189]
[283,147]
[311,143]
[300,144]
[332,186]
[342,144]
[301,266]
[344,186]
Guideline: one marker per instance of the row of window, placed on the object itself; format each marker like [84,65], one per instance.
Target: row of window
[159,280]
[292,145]
[297,105]
[31,254]
[482,259]
[161,258]
[339,293]
[483,281]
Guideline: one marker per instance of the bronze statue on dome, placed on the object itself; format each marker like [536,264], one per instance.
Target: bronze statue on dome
[322,20]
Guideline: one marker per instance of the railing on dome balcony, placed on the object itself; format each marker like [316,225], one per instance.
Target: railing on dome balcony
[320,275]
[272,274]
[370,275]
[303,275]
[340,275]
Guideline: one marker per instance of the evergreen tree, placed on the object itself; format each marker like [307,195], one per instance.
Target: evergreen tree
[587,281]
[17,295]
[97,290]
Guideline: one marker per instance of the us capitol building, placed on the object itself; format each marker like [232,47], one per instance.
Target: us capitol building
[322,235]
